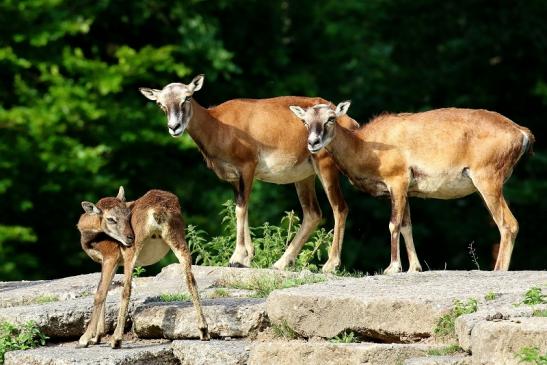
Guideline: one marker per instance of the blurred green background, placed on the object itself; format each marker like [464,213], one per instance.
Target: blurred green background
[73,125]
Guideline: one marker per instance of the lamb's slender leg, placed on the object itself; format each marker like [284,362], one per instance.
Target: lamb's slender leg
[311,218]
[93,333]
[244,250]
[129,259]
[406,231]
[490,186]
[174,237]
[101,325]
[330,179]
[398,203]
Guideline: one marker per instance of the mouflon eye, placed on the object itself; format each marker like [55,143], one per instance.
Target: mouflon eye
[111,220]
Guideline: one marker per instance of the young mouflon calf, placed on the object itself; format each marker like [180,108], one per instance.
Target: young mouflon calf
[156,221]
[444,154]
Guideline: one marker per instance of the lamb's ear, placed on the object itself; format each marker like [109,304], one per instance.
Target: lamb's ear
[90,208]
[342,108]
[151,94]
[298,111]
[196,83]
[121,194]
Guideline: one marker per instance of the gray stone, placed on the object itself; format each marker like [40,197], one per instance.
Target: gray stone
[462,359]
[465,324]
[395,308]
[226,317]
[498,342]
[322,352]
[214,352]
[141,353]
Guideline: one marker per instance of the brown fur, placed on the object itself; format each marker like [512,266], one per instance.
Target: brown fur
[158,226]
[444,154]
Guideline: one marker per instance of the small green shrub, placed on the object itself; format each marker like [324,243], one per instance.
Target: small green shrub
[447,350]
[23,337]
[43,299]
[284,331]
[490,296]
[345,337]
[138,271]
[445,325]
[270,241]
[539,313]
[531,355]
[534,296]
[263,285]
[175,297]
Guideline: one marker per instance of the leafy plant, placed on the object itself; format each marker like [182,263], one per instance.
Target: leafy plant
[490,296]
[531,355]
[345,337]
[283,330]
[175,297]
[445,325]
[138,271]
[447,350]
[534,296]
[263,285]
[23,337]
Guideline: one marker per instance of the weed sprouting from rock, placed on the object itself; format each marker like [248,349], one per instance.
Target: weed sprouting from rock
[283,330]
[23,337]
[446,324]
[531,355]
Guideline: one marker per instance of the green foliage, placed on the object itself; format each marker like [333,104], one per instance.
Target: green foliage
[284,331]
[175,297]
[445,325]
[531,355]
[138,271]
[74,127]
[534,296]
[490,296]
[345,337]
[539,313]
[23,337]
[263,285]
[447,350]
[270,242]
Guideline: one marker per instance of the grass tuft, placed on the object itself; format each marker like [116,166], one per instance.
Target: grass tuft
[534,296]
[283,330]
[23,337]
[175,297]
[219,293]
[43,299]
[539,313]
[490,296]
[447,350]
[263,285]
[531,355]
[445,325]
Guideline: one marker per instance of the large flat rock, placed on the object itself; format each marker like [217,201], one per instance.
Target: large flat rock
[322,352]
[141,353]
[226,317]
[440,360]
[395,308]
[497,342]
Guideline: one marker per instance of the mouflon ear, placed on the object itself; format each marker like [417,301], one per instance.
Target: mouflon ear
[90,208]
[196,83]
[151,94]
[121,194]
[298,111]
[342,108]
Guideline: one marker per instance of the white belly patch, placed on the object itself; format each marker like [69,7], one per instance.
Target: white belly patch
[446,185]
[282,168]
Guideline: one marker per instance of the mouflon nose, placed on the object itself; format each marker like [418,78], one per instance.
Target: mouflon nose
[174,126]
[314,143]
[130,239]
